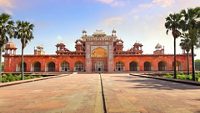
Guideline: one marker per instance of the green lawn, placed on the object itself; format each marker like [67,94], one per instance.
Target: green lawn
[15,77]
[183,76]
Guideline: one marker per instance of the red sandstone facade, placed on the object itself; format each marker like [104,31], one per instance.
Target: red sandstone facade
[98,52]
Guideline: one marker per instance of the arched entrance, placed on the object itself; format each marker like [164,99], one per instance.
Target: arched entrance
[37,67]
[99,52]
[147,66]
[79,66]
[99,59]
[119,66]
[99,66]
[64,66]
[133,66]
[51,67]
[161,66]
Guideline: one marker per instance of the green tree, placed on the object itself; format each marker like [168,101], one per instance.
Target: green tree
[6,32]
[197,64]
[186,46]
[24,32]
[191,24]
[173,23]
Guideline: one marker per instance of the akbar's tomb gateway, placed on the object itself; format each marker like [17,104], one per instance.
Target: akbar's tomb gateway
[96,53]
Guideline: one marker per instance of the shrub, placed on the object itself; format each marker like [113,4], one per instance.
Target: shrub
[182,77]
[11,77]
[198,79]
[168,75]
[180,73]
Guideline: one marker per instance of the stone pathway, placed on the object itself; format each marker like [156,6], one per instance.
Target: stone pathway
[129,94]
[71,94]
[81,93]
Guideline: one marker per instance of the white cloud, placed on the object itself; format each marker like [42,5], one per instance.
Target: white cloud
[148,28]
[106,1]
[113,21]
[163,3]
[184,4]
[153,3]
[114,3]
[6,6]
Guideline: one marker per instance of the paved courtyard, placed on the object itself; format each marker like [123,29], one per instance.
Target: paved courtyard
[81,93]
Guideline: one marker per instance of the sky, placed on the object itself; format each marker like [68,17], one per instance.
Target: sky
[63,21]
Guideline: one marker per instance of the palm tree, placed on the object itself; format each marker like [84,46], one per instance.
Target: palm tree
[186,46]
[173,24]
[24,32]
[191,24]
[6,32]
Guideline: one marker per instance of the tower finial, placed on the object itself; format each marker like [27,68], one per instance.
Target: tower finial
[84,32]
[114,32]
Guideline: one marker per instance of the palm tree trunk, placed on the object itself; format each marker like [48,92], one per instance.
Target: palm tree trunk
[22,64]
[188,69]
[174,58]
[193,70]
[0,63]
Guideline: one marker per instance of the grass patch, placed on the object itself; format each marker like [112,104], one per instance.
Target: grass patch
[183,76]
[14,77]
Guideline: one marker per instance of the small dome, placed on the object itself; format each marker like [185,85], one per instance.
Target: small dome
[114,31]
[39,47]
[84,31]
[78,43]
[137,44]
[10,45]
[158,46]
[60,44]
[119,42]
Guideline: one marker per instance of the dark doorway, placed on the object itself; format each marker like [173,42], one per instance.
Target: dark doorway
[99,66]
[51,67]
[147,66]
[133,66]
[119,66]
[37,67]
[161,66]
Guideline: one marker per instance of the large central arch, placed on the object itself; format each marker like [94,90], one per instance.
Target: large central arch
[99,52]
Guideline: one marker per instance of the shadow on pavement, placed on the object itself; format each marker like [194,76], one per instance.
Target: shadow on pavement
[197,112]
[122,76]
[155,84]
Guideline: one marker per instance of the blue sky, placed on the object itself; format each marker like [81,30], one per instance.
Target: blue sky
[63,21]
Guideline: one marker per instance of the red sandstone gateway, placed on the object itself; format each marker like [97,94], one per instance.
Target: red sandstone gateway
[98,52]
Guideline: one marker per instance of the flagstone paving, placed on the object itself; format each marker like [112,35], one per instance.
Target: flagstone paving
[69,94]
[129,94]
[81,93]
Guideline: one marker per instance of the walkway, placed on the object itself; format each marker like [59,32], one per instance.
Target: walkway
[69,94]
[81,93]
[129,94]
